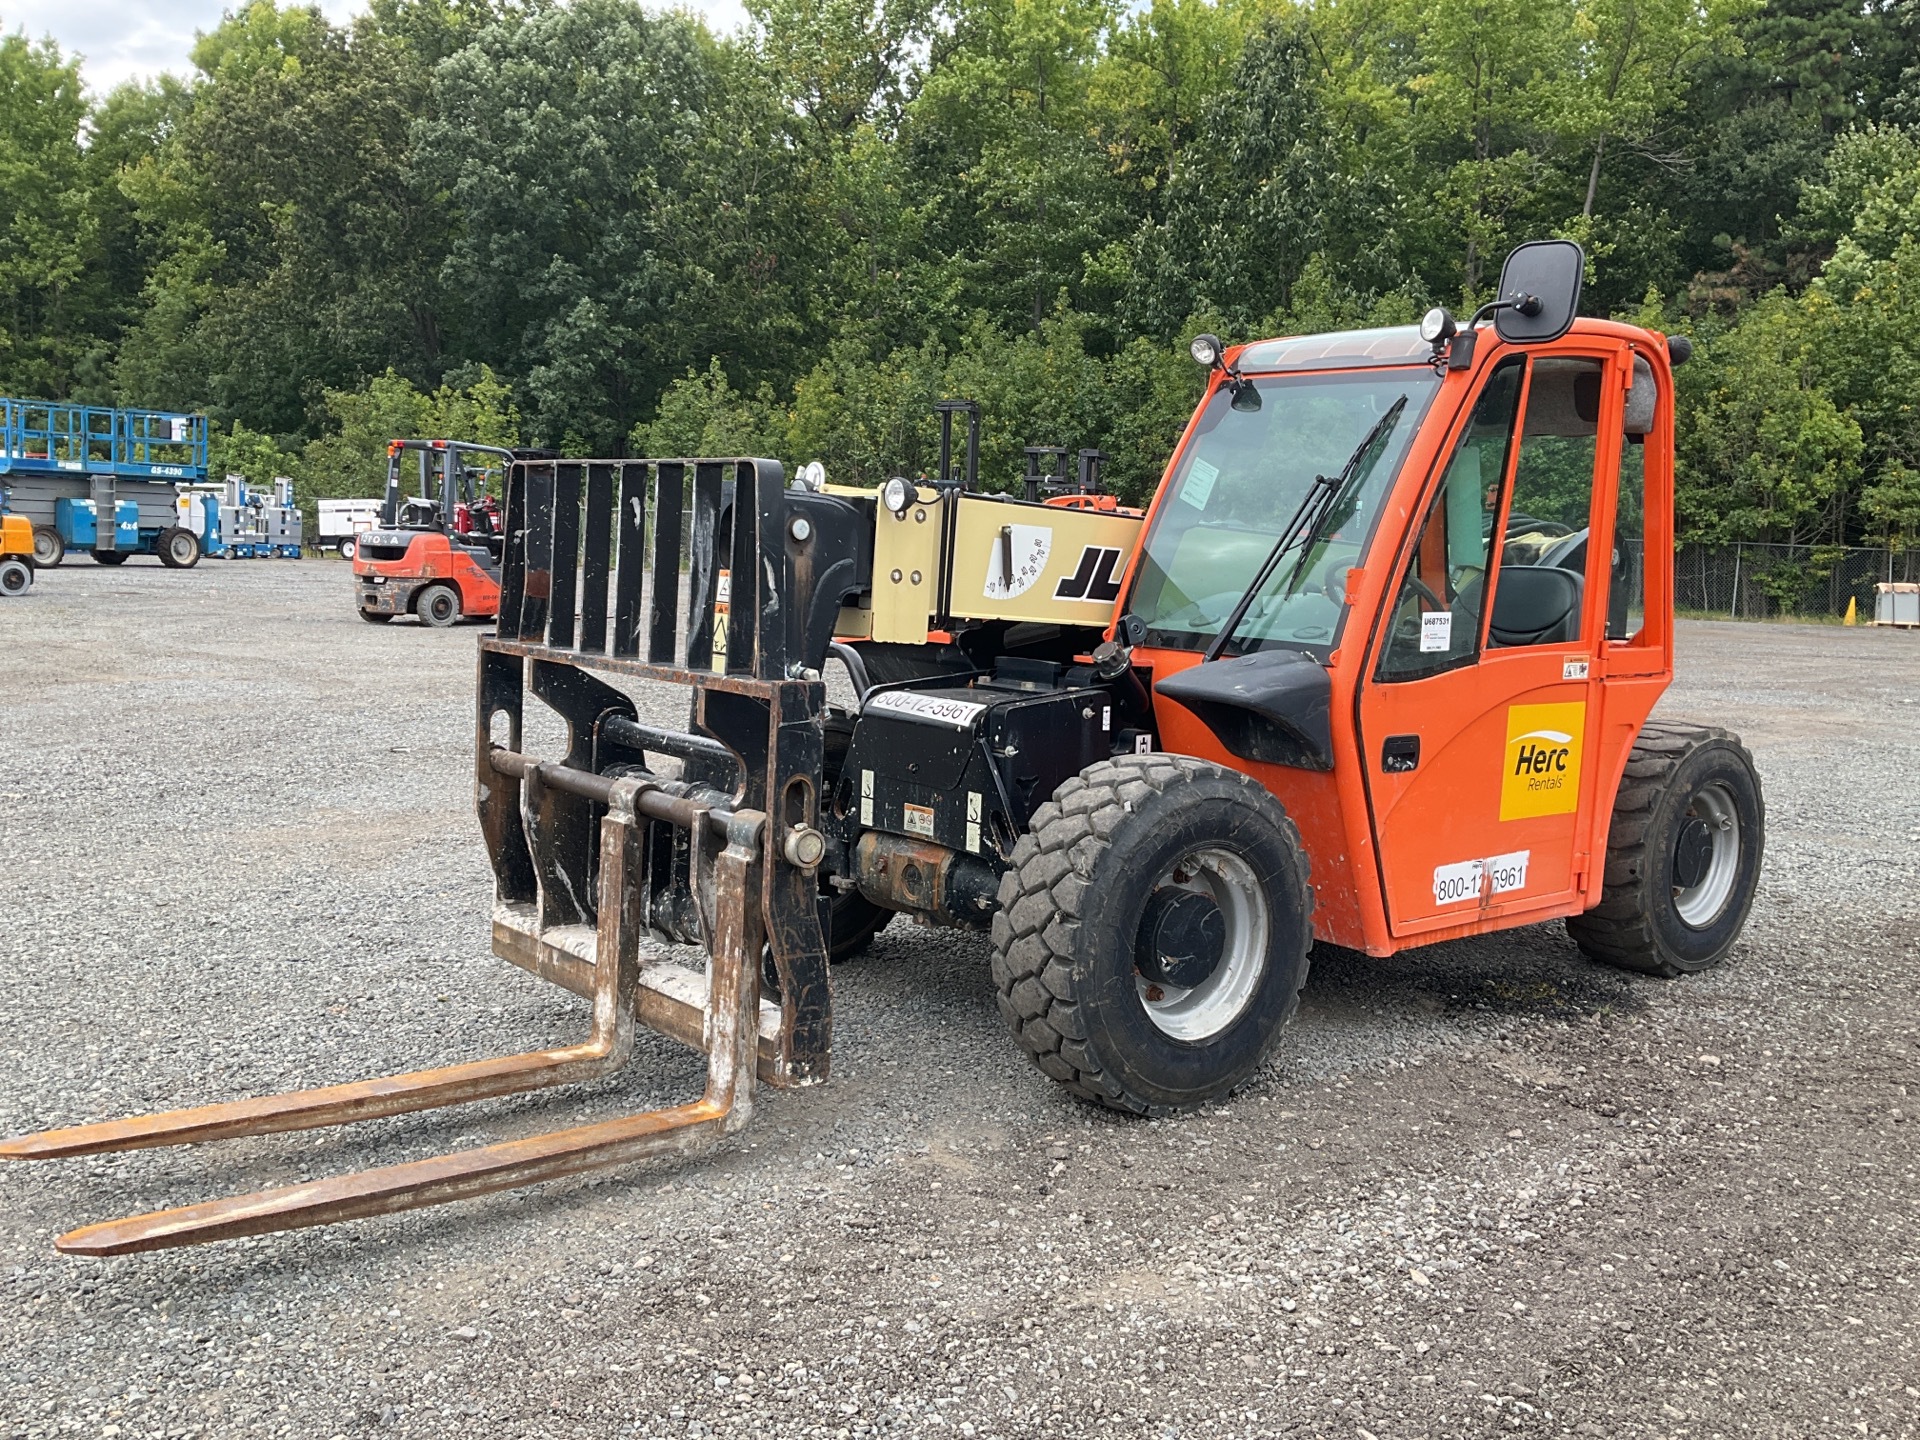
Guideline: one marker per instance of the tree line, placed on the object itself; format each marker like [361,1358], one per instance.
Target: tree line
[608,230]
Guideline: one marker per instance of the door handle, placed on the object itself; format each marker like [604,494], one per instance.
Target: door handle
[1399,754]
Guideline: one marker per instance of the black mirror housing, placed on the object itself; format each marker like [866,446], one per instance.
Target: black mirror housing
[1540,291]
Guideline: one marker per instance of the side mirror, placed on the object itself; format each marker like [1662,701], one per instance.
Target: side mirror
[1540,291]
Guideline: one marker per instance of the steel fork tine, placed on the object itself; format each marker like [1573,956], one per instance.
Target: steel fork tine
[733,1023]
[616,970]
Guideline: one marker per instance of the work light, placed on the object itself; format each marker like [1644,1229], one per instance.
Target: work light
[1436,326]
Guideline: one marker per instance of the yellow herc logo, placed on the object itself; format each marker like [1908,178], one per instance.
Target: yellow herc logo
[1541,770]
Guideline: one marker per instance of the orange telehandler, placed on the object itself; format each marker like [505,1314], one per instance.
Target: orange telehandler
[1374,670]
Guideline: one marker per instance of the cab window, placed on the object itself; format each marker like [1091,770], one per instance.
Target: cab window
[1539,592]
[1436,612]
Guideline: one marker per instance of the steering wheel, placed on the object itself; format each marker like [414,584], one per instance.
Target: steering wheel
[1425,593]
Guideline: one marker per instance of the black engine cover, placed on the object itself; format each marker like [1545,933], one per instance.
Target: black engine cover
[965,766]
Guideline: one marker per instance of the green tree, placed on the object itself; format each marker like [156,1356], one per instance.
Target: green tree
[298,253]
[51,271]
[350,459]
[1763,452]
[702,414]
[1017,184]
[1263,188]
[618,182]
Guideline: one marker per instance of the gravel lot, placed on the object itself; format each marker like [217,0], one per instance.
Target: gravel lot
[1481,1188]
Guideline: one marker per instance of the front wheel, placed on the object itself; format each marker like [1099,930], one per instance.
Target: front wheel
[110,557]
[1683,854]
[438,606]
[375,617]
[48,548]
[1153,932]
[852,922]
[16,577]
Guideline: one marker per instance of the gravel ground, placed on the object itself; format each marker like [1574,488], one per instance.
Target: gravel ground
[1481,1188]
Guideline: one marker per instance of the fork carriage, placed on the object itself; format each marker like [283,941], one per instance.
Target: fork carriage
[725,855]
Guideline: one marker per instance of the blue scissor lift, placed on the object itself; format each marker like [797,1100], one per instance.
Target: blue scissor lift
[65,467]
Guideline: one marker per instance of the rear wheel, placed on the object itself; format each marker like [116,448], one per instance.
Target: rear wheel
[48,548]
[375,617]
[16,577]
[110,557]
[349,548]
[438,606]
[178,549]
[1153,932]
[1683,854]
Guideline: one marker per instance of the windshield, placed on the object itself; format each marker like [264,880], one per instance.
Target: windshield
[1244,475]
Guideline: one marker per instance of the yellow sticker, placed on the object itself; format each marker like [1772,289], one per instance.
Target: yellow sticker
[1541,774]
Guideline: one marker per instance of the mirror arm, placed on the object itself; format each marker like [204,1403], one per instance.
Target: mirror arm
[1525,304]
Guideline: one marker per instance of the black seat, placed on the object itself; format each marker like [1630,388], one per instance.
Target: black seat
[1535,605]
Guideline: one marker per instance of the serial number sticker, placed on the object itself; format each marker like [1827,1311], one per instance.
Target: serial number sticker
[1465,879]
[1573,669]
[917,820]
[1106,717]
[1436,632]
[866,798]
[1199,486]
[958,713]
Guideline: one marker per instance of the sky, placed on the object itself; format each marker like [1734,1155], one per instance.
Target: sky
[129,39]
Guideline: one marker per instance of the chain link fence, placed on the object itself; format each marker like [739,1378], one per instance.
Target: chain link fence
[1750,581]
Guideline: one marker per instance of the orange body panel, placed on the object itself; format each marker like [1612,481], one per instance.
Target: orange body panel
[1402,859]
[16,536]
[433,557]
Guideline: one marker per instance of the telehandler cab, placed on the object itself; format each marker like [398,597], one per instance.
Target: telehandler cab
[1375,669]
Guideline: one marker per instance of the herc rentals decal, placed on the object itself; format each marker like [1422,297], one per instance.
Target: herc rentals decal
[1541,769]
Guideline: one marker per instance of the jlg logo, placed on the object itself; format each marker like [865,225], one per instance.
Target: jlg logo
[1541,774]
[1094,579]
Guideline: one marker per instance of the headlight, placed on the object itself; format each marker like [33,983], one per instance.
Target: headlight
[1436,326]
[1206,350]
[896,495]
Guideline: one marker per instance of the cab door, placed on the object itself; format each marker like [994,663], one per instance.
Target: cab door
[1478,713]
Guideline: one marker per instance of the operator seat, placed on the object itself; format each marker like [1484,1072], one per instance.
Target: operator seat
[1535,605]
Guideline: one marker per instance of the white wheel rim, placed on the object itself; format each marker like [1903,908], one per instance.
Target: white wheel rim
[1216,1002]
[1699,905]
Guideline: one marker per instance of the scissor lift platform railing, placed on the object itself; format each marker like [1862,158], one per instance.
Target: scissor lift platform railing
[44,437]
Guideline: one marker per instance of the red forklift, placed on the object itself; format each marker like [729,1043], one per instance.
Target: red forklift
[435,555]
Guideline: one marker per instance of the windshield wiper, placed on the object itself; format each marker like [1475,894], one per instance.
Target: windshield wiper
[1308,520]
